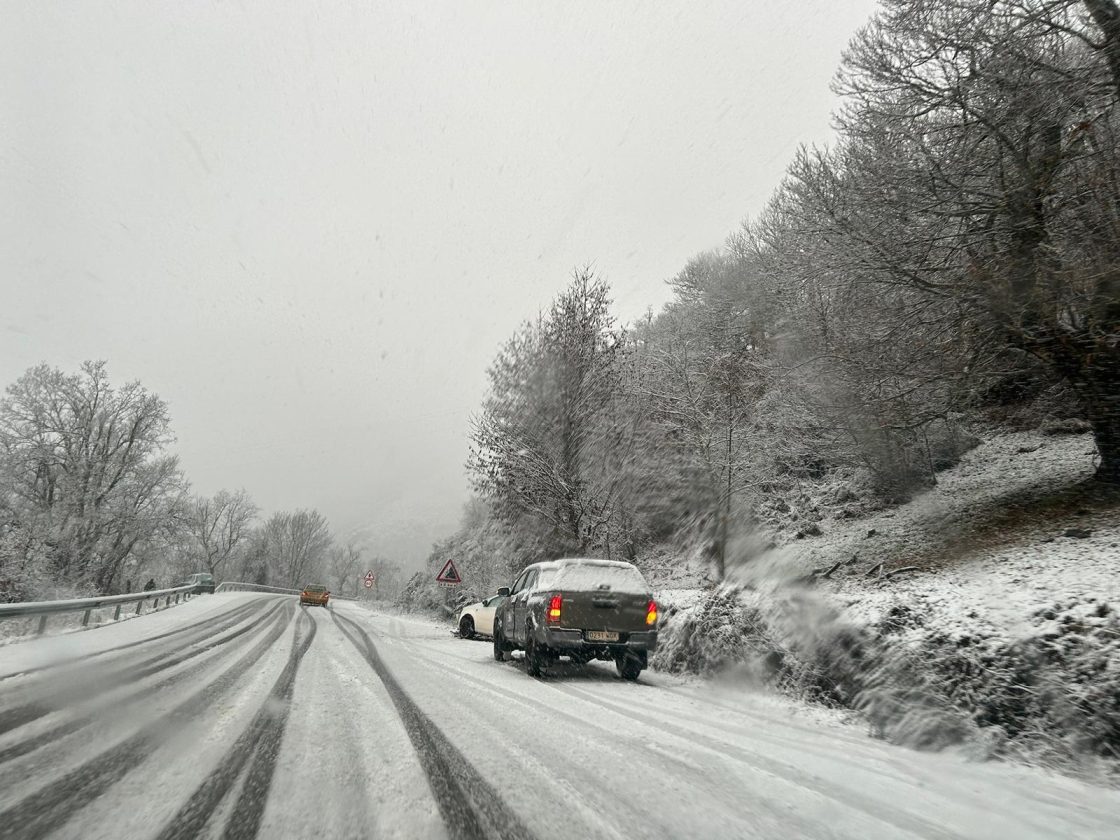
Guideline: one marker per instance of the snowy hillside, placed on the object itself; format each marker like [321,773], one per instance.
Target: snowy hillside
[1016,527]
[983,611]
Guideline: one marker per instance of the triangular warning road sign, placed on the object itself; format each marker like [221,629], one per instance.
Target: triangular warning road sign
[449,574]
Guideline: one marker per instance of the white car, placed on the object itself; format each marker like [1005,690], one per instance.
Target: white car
[478,618]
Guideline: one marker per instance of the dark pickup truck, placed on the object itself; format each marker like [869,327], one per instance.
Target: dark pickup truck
[579,608]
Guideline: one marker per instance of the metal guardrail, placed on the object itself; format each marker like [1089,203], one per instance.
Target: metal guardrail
[238,586]
[43,609]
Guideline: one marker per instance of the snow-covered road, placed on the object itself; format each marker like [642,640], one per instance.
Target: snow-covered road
[247,716]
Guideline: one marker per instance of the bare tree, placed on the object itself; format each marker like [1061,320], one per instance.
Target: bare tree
[296,545]
[218,526]
[84,468]
[345,567]
[979,179]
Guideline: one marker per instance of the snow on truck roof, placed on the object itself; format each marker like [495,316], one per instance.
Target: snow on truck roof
[588,573]
[584,561]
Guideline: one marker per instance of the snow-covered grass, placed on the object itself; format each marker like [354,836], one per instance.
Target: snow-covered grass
[1004,633]
[1016,527]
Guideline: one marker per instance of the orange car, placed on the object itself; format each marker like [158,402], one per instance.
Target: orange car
[314,595]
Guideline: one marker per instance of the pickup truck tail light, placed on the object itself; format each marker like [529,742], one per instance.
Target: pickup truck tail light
[554,607]
[651,613]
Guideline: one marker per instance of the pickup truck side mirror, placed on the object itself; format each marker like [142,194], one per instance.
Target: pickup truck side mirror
[503,591]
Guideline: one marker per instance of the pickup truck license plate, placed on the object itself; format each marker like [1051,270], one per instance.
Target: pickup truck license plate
[602,636]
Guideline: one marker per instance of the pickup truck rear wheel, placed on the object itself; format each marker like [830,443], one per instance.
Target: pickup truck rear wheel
[501,649]
[629,665]
[534,659]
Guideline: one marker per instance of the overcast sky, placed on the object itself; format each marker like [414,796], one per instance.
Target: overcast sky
[308,226]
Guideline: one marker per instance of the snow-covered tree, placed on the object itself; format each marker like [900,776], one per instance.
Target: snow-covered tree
[533,441]
[218,527]
[84,469]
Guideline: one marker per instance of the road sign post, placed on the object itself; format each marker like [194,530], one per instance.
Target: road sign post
[369,579]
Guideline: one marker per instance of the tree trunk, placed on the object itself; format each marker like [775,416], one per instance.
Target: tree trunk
[1097,383]
[725,507]
[1106,14]
[1104,416]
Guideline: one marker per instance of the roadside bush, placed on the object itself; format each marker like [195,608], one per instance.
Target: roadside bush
[26,570]
[718,633]
[1056,691]
[421,594]
[787,639]
[1052,696]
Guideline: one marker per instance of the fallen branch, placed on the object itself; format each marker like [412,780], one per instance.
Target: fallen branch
[876,569]
[835,566]
[894,572]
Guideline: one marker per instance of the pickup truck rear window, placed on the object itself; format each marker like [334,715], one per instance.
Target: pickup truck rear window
[590,577]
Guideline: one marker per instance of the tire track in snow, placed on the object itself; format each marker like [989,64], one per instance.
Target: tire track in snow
[62,730]
[610,737]
[258,748]
[40,813]
[899,819]
[470,807]
[203,624]
[65,690]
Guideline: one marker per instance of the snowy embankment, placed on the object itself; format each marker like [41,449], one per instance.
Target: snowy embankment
[1016,526]
[54,648]
[986,611]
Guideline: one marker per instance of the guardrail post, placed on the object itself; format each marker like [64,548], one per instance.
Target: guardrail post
[117,614]
[176,597]
[42,624]
[139,604]
[85,618]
